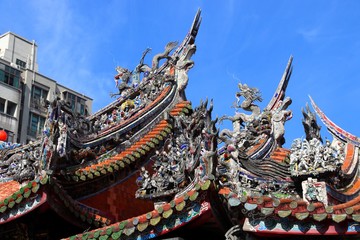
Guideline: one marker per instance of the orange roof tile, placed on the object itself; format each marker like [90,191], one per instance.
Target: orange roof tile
[8,188]
[347,204]
[349,157]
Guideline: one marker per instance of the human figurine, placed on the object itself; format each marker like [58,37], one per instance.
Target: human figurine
[280,116]
[144,178]
[311,192]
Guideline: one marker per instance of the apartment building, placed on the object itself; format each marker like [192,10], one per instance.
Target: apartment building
[24,91]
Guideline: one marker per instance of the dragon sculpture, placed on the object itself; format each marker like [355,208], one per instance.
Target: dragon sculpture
[244,125]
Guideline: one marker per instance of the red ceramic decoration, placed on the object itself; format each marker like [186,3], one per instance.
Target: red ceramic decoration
[3,135]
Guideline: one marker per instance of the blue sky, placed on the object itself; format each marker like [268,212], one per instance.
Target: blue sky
[80,43]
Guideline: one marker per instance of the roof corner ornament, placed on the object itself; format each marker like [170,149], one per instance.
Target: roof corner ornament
[311,127]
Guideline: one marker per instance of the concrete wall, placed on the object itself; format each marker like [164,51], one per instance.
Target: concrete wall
[15,47]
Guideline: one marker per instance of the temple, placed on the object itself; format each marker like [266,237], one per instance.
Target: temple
[152,165]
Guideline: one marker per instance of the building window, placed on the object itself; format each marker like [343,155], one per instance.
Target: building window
[9,75]
[38,97]
[11,108]
[36,125]
[77,103]
[71,98]
[7,107]
[82,109]
[20,63]
[38,92]
[2,105]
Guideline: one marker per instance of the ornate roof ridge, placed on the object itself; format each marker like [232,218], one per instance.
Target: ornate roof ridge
[333,128]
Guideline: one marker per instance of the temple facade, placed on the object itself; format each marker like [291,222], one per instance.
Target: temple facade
[153,165]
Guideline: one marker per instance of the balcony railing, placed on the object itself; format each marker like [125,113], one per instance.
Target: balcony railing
[38,104]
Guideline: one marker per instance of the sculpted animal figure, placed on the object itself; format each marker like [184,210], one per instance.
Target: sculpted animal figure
[311,127]
[141,67]
[124,75]
[251,95]
[156,59]
[127,105]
